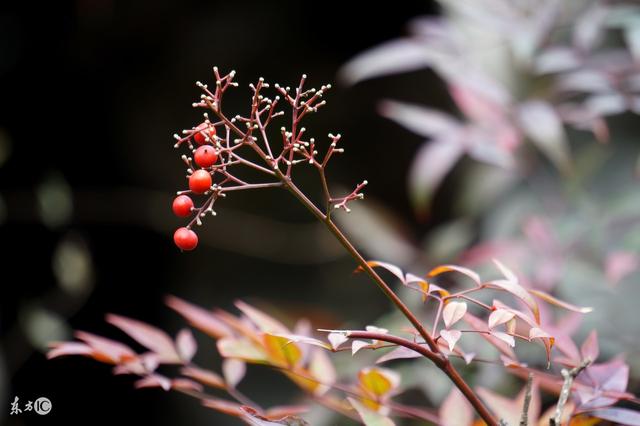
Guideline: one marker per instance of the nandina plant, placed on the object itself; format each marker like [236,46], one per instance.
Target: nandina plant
[498,310]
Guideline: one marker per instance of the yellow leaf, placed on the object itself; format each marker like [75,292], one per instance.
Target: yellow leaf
[282,351]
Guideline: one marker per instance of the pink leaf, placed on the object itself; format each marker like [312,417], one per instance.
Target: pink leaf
[511,285]
[336,339]
[451,337]
[461,269]
[69,348]
[107,350]
[201,319]
[185,384]
[397,272]
[153,381]
[398,353]
[619,264]
[552,300]
[357,345]
[432,163]
[233,371]
[265,323]
[499,316]
[590,348]
[621,416]
[508,339]
[453,312]
[418,119]
[205,377]
[186,344]
[455,410]
[148,336]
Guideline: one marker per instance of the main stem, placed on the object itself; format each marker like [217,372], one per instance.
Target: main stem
[434,354]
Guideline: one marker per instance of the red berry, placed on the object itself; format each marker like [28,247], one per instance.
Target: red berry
[182,206]
[200,181]
[205,156]
[185,239]
[205,130]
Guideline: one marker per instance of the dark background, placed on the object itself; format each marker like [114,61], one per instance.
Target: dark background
[91,92]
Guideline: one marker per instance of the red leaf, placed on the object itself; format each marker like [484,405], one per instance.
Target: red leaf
[148,336]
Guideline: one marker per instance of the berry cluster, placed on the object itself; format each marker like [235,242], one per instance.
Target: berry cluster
[215,148]
[200,181]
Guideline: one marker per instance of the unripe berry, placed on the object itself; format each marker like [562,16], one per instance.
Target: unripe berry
[200,181]
[205,156]
[204,130]
[182,206]
[185,239]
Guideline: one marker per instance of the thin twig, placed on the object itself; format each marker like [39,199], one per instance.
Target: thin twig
[524,418]
[569,376]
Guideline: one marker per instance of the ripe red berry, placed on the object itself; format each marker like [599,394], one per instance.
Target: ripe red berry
[200,181]
[185,239]
[205,156]
[205,130]
[182,206]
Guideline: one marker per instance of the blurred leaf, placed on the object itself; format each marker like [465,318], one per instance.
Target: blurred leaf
[379,231]
[398,353]
[370,417]
[554,301]
[453,312]
[418,119]
[186,345]
[511,284]
[227,407]
[201,319]
[509,410]
[622,416]
[282,351]
[431,164]
[541,123]
[508,339]
[590,349]
[265,323]
[148,336]
[233,371]
[392,57]
[557,59]
[107,350]
[153,381]
[241,348]
[378,382]
[322,369]
[206,377]
[588,29]
[455,410]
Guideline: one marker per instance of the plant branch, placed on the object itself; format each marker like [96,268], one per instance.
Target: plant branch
[569,376]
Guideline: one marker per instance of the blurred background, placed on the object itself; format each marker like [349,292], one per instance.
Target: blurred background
[92,91]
